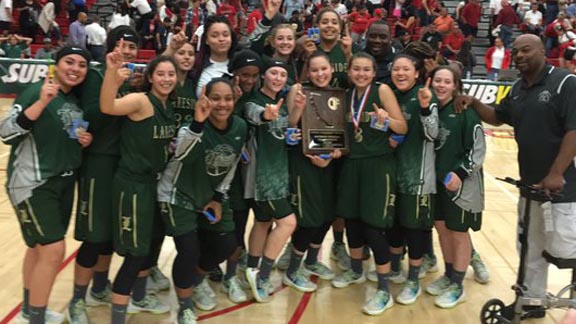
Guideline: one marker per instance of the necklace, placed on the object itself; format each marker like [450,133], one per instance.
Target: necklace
[357,116]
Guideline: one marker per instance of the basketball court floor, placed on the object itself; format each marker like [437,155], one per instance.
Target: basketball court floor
[495,242]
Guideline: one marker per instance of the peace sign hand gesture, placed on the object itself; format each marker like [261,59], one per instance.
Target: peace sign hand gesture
[203,107]
[425,95]
[273,110]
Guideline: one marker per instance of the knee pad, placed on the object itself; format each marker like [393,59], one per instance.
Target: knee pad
[416,239]
[355,233]
[376,238]
[124,281]
[87,256]
[320,234]
[302,237]
[396,236]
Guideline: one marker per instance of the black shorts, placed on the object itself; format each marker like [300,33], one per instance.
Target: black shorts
[468,30]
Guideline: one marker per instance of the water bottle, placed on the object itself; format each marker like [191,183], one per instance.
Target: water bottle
[495,76]
[468,75]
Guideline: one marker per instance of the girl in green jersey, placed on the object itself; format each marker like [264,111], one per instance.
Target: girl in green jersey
[145,136]
[460,152]
[46,152]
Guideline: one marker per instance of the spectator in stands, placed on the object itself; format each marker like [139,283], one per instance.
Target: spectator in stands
[378,44]
[211,7]
[254,18]
[470,17]
[444,23]
[14,45]
[458,12]
[194,18]
[5,15]
[96,38]
[77,35]
[46,52]
[359,20]
[28,18]
[146,15]
[228,11]
[551,35]
[453,43]
[296,22]
[340,9]
[507,19]
[551,10]
[291,5]
[571,10]
[407,20]
[74,8]
[402,40]
[47,21]
[120,17]
[432,37]
[497,58]
[565,39]
[432,10]
[161,35]
[379,14]
[165,12]
[533,20]
[468,60]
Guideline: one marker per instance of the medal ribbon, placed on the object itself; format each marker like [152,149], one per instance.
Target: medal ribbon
[357,117]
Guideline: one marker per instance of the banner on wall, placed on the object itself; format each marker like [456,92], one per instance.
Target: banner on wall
[16,74]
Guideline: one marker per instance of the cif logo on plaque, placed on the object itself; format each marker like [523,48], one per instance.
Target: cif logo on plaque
[324,121]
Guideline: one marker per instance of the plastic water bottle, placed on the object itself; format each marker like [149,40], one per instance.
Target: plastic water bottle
[468,75]
[495,76]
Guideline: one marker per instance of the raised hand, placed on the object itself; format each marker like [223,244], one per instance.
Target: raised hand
[273,110]
[236,87]
[49,91]
[203,107]
[380,113]
[309,46]
[272,8]
[178,40]
[300,98]
[346,41]
[425,95]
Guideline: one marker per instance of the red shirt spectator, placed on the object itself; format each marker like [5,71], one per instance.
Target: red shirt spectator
[360,22]
[507,17]
[378,15]
[455,39]
[227,10]
[471,13]
[253,20]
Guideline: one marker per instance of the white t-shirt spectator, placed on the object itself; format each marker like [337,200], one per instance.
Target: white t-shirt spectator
[342,10]
[119,20]
[4,16]
[214,70]
[498,58]
[496,6]
[96,34]
[533,18]
[198,33]
[142,6]
[211,7]
[163,13]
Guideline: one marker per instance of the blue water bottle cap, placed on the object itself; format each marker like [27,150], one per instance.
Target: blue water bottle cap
[209,213]
[447,179]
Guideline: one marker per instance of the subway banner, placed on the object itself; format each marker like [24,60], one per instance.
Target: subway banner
[15,74]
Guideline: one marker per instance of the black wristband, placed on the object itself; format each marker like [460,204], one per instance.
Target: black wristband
[218,197]
[461,173]
[23,121]
[196,127]
[263,118]
[426,111]
[265,21]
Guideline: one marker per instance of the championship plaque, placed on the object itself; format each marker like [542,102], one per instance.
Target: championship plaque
[324,122]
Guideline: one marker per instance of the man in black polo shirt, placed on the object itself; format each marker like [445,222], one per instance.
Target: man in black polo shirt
[541,109]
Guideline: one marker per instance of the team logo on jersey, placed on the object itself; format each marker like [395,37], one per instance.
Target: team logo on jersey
[127,224]
[219,160]
[407,115]
[277,127]
[443,134]
[544,96]
[392,201]
[24,217]
[424,201]
[69,112]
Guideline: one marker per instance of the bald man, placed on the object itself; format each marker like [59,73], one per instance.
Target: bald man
[540,107]
[77,31]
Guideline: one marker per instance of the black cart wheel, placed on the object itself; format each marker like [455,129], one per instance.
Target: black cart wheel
[491,312]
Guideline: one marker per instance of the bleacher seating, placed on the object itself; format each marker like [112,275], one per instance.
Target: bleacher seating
[145,56]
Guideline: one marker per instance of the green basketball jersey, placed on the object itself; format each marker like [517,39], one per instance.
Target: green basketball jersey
[374,142]
[44,151]
[185,103]
[340,64]
[105,129]
[415,156]
[144,144]
[270,178]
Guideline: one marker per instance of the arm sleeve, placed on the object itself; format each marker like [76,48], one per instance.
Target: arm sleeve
[15,124]
[430,122]
[474,144]
[259,35]
[253,113]
[187,140]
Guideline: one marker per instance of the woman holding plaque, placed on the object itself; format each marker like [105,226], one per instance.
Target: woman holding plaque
[416,177]
[460,152]
[367,183]
[312,183]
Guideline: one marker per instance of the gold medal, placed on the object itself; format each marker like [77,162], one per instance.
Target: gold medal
[358,135]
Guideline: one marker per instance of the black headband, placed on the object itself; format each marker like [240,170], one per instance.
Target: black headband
[69,50]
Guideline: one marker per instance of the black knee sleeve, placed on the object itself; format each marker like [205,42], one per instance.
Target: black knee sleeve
[396,236]
[302,237]
[155,249]
[321,234]
[428,245]
[376,239]
[124,281]
[186,260]
[107,248]
[240,221]
[88,254]
[415,239]
[355,233]
[215,248]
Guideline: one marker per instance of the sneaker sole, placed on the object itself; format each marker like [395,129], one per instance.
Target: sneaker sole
[289,283]
[410,301]
[342,285]
[452,305]
[254,288]
[378,312]
[136,310]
